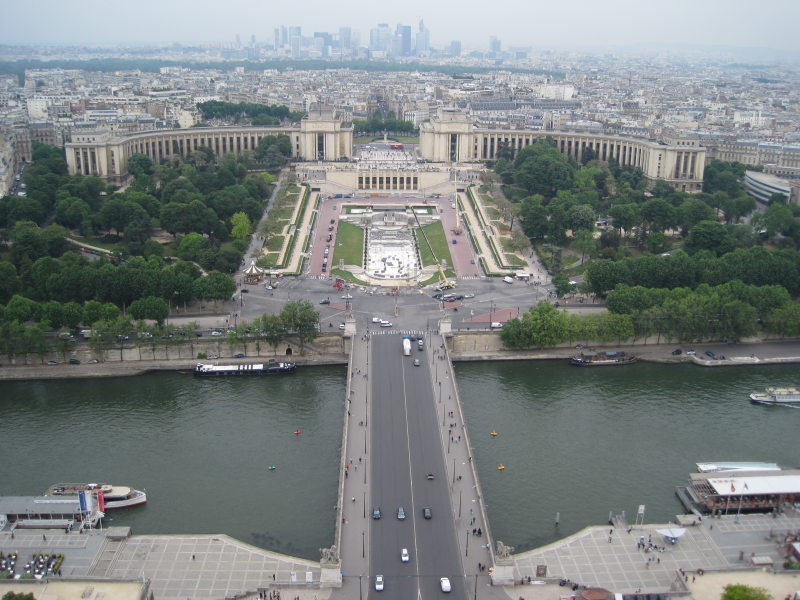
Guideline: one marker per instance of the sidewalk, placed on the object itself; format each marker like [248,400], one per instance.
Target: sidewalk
[352,527]
[467,504]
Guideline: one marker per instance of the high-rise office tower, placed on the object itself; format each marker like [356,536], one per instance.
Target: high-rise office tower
[402,36]
[455,48]
[494,45]
[423,39]
[345,38]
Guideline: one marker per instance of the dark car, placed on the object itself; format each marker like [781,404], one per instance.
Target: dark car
[325,301]
[376,512]
[239,355]
[711,355]
[74,361]
[429,476]
[426,512]
[437,295]
[677,351]
[245,291]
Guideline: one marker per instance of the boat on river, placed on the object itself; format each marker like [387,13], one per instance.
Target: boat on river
[271,367]
[787,396]
[602,359]
[717,467]
[731,492]
[114,496]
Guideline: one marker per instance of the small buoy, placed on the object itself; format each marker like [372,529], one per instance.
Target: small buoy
[493,433]
[272,467]
[501,467]
[296,432]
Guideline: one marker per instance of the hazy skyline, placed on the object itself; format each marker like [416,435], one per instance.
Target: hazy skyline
[580,23]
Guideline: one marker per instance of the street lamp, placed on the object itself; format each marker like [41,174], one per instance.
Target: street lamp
[466,553]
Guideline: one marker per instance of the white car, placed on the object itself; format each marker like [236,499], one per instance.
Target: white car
[404,555]
[444,582]
[216,333]
[385,324]
[348,296]
[341,325]
[379,583]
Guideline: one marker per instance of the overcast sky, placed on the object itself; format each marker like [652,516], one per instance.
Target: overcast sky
[538,23]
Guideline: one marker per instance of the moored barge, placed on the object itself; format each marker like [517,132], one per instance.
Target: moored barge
[269,368]
[602,359]
[731,492]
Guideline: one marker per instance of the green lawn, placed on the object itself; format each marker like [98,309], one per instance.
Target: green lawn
[348,276]
[275,242]
[349,245]
[514,260]
[438,239]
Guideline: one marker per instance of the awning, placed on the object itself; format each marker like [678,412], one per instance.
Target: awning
[674,532]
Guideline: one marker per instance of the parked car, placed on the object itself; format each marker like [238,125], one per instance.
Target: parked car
[711,355]
[94,361]
[52,362]
[74,361]
[216,333]
[239,355]
[469,295]
[245,291]
[691,353]
[677,352]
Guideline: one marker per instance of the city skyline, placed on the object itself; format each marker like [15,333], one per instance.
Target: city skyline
[613,24]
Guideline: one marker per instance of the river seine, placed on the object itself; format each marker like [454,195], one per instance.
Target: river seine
[579,442]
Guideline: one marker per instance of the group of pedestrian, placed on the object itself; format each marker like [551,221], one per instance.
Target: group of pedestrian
[477,531]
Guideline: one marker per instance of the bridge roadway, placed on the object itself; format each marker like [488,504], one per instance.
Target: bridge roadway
[406,446]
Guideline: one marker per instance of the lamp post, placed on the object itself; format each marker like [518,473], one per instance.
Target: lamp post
[459,504]
[466,553]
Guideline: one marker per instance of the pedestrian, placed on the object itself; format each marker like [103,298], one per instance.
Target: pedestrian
[609,539]
[479,531]
[473,531]
[193,557]
[692,578]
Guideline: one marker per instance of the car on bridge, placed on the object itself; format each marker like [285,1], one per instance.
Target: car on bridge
[401,514]
[444,582]
[427,513]
[379,583]
[376,512]
[404,555]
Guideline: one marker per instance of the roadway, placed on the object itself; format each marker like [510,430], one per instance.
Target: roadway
[406,446]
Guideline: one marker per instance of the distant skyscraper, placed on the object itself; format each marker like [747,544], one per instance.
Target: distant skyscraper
[403,36]
[423,39]
[345,38]
[380,38]
[455,48]
[494,45]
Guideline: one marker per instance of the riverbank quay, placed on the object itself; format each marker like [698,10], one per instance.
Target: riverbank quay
[140,367]
[712,553]
[761,353]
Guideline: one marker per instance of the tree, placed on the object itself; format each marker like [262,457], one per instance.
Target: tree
[546,325]
[215,286]
[534,218]
[240,225]
[140,164]
[658,214]
[9,283]
[151,307]
[18,596]
[581,217]
[272,329]
[584,242]
[562,284]
[745,592]
[625,216]
[708,235]
[300,317]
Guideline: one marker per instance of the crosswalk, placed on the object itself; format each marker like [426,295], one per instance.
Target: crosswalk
[408,332]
